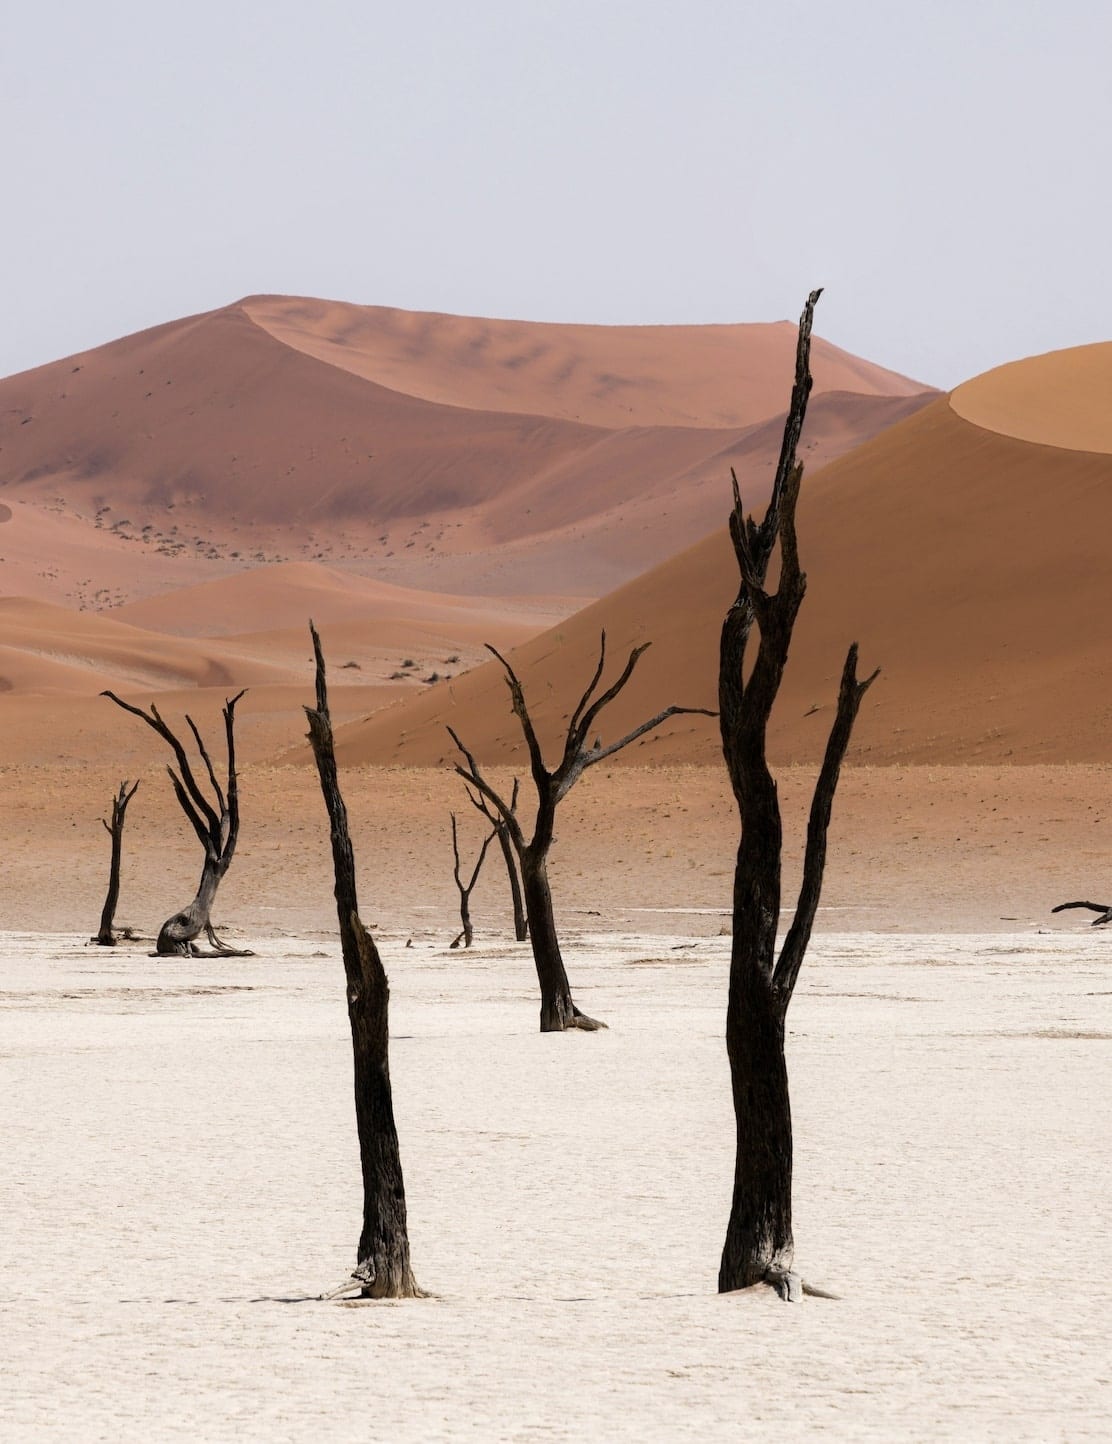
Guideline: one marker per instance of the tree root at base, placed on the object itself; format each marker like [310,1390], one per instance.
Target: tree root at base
[581,1021]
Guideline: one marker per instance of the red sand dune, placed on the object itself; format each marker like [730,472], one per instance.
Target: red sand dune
[445,452]
[972,566]
[606,376]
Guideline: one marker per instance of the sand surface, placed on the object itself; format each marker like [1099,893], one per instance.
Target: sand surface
[188,1181]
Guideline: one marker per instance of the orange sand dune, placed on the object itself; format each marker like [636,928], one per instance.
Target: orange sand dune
[607,376]
[47,649]
[236,437]
[1061,399]
[971,566]
[269,598]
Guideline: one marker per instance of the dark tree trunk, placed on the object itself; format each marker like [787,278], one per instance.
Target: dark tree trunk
[105,937]
[215,823]
[382,1258]
[178,933]
[759,1246]
[505,842]
[521,924]
[467,935]
[558,1011]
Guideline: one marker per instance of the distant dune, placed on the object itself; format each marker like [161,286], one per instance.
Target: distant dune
[971,565]
[436,452]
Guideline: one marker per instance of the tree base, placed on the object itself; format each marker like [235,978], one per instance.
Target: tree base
[788,1286]
[561,1022]
[362,1287]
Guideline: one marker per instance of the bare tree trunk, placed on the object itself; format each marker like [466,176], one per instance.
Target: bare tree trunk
[759,1247]
[383,1267]
[178,933]
[105,937]
[216,825]
[467,936]
[558,1012]
[505,842]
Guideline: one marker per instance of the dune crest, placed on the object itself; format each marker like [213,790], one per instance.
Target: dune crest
[930,545]
[1058,399]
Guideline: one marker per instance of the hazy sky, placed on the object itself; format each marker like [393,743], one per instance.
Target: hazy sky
[943,167]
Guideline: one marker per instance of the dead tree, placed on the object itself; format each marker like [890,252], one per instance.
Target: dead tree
[502,832]
[105,937]
[467,935]
[759,1246]
[382,1267]
[215,823]
[558,1010]
[1105,910]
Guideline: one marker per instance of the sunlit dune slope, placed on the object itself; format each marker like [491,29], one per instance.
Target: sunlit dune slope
[49,650]
[1062,399]
[287,595]
[725,376]
[971,566]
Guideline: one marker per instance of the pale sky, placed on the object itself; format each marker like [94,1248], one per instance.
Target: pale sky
[943,168]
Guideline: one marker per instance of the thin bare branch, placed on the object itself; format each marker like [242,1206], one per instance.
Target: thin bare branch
[792,953]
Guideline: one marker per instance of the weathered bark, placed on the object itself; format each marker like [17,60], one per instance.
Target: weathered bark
[105,937]
[1105,910]
[759,1246]
[382,1267]
[216,825]
[467,935]
[505,842]
[558,1010]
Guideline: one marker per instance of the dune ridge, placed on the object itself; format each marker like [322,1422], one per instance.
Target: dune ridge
[969,565]
[435,452]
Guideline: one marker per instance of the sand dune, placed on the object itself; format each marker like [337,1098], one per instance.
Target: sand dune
[436,452]
[606,376]
[1060,399]
[971,566]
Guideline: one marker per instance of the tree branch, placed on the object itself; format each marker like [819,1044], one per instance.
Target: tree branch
[814,859]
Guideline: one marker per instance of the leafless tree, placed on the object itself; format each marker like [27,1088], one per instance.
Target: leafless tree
[216,823]
[759,1246]
[558,1010]
[105,937]
[382,1266]
[509,857]
[467,935]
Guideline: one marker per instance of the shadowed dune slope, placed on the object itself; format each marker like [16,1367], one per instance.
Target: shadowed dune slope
[438,451]
[971,566]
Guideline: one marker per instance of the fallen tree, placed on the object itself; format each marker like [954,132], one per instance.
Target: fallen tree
[759,1246]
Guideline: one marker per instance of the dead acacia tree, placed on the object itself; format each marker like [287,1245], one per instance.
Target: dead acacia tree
[382,1267]
[502,832]
[215,823]
[467,935]
[105,937]
[759,1245]
[558,1010]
